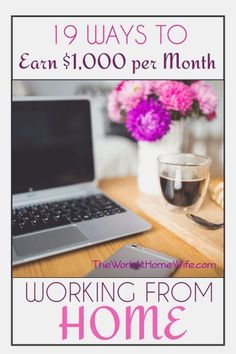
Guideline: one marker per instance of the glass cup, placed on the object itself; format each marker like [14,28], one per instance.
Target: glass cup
[184,180]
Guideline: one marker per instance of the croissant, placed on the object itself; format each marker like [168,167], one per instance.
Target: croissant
[216,190]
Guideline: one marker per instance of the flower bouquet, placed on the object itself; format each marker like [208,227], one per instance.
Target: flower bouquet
[148,108]
[153,113]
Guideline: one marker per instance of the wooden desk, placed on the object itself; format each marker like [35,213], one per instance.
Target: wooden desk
[78,263]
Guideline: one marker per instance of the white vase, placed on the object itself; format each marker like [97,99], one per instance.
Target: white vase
[148,152]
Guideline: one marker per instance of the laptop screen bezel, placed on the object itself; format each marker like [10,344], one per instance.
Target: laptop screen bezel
[49,193]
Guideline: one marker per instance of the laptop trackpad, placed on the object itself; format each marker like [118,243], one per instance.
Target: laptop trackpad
[49,240]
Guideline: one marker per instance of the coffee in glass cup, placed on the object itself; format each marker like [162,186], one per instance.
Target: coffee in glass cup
[184,180]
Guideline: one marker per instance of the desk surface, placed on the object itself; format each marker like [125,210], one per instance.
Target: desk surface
[78,263]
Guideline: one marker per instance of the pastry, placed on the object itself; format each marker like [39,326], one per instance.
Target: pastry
[216,190]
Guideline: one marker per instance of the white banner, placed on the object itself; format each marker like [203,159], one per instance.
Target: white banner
[120,311]
[118,47]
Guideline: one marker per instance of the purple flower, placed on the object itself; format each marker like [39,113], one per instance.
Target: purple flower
[148,121]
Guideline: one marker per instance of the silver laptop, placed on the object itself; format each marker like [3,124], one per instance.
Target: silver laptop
[56,204]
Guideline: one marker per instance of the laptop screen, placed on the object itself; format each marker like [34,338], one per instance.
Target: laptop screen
[51,144]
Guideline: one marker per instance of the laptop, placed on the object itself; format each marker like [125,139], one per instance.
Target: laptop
[57,206]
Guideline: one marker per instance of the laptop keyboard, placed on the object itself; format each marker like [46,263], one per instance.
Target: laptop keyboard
[48,215]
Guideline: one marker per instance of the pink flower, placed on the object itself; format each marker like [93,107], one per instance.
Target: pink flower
[211,116]
[130,94]
[119,86]
[206,97]
[113,106]
[152,87]
[176,96]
